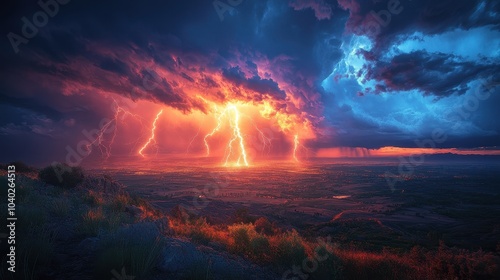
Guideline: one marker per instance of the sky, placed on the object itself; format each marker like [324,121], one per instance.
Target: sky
[246,80]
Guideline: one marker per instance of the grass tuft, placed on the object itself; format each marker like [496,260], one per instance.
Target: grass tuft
[137,253]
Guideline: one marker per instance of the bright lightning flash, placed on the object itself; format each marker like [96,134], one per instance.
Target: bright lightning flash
[111,125]
[152,137]
[266,142]
[233,115]
[296,146]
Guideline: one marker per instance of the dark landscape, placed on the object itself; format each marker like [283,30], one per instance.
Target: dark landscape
[439,223]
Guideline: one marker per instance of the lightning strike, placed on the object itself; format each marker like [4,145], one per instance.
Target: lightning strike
[152,137]
[217,128]
[192,140]
[296,146]
[266,142]
[233,115]
[100,139]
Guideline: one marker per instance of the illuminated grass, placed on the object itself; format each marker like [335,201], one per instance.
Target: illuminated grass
[284,249]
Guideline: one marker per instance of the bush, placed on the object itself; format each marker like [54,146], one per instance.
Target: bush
[260,246]
[120,202]
[93,198]
[453,263]
[61,175]
[262,225]
[241,235]
[201,232]
[180,214]
[290,250]
[22,167]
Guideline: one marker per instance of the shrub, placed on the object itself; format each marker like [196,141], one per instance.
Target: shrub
[96,220]
[119,202]
[92,222]
[290,250]
[180,214]
[262,225]
[241,235]
[61,175]
[22,167]
[453,263]
[93,198]
[260,246]
[201,232]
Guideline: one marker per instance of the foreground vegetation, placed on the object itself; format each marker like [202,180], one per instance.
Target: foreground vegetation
[109,228]
[53,220]
[264,243]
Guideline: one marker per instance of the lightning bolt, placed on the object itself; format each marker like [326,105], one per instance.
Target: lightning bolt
[296,146]
[100,139]
[152,137]
[217,128]
[266,142]
[235,125]
[233,114]
[192,140]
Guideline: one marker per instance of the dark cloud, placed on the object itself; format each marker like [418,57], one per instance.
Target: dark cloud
[115,65]
[321,9]
[255,83]
[433,74]
[427,16]
[28,104]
